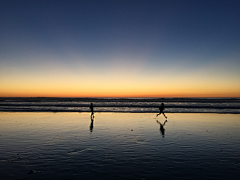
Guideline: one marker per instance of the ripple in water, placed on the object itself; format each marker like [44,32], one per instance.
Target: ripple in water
[119,146]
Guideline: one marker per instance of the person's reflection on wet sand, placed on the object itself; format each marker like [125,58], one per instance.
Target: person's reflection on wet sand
[161,108]
[162,130]
[91,124]
[91,108]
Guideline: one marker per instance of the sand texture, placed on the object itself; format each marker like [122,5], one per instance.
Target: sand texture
[119,146]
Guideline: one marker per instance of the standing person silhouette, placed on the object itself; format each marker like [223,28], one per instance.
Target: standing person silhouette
[161,108]
[91,108]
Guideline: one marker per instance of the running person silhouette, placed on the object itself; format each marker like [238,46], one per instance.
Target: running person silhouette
[161,108]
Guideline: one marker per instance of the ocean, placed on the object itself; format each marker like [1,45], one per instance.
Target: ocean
[123,105]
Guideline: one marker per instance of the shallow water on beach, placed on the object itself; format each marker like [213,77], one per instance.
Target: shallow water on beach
[120,146]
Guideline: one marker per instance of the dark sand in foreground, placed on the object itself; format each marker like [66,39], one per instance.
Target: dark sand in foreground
[119,146]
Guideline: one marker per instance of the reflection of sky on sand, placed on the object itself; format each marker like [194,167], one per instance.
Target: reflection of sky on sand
[121,145]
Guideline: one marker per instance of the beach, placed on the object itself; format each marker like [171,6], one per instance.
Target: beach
[45,145]
[119,89]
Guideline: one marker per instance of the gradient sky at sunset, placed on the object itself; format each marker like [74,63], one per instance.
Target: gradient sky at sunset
[125,48]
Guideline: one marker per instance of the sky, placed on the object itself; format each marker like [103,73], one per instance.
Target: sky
[125,48]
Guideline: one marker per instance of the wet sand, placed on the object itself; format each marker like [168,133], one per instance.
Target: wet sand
[119,146]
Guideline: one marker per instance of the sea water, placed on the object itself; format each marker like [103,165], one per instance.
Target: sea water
[133,105]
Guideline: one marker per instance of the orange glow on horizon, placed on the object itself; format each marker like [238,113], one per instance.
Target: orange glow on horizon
[118,85]
[122,95]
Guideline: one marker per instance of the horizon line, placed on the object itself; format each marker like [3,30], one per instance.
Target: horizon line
[109,97]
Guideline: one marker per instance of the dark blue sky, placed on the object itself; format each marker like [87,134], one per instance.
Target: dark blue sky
[182,36]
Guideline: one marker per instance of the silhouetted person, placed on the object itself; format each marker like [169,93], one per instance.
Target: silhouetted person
[161,108]
[162,130]
[91,108]
[91,124]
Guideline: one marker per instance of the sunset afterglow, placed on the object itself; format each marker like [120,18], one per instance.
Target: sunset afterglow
[119,49]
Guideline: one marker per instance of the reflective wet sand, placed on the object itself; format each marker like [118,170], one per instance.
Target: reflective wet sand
[119,145]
